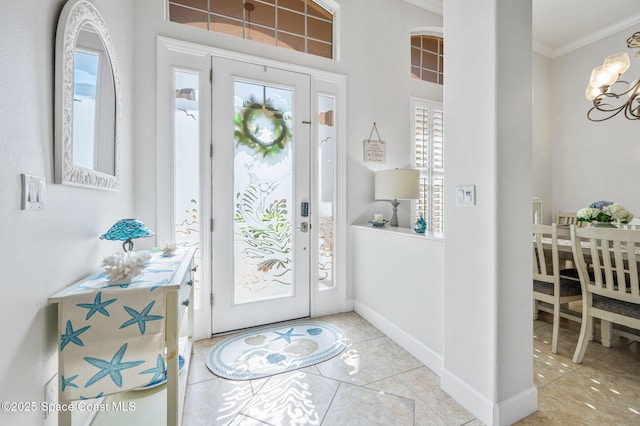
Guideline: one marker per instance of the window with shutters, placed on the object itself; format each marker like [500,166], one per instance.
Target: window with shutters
[427,143]
[302,25]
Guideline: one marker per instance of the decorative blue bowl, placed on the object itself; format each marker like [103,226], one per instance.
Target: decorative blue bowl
[378,224]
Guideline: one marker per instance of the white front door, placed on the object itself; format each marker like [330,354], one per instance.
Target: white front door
[260,185]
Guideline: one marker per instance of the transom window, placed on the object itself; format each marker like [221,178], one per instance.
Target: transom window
[301,25]
[427,58]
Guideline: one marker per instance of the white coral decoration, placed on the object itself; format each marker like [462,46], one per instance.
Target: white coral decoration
[169,249]
[122,265]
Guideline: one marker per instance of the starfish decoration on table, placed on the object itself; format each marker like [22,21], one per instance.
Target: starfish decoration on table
[141,317]
[92,397]
[158,371]
[97,306]
[111,368]
[287,336]
[68,382]
[71,336]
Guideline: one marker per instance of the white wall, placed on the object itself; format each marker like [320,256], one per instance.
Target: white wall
[399,288]
[487,339]
[592,161]
[42,252]
[542,134]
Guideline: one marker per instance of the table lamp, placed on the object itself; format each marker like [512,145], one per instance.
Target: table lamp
[126,230]
[397,184]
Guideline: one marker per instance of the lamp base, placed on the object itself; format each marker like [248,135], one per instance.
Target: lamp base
[394,218]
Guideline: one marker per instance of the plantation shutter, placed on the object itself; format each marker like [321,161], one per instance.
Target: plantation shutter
[428,159]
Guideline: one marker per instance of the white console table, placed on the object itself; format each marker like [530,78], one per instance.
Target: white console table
[145,407]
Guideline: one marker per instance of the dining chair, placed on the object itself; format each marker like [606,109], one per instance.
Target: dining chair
[607,262]
[634,224]
[551,284]
[568,218]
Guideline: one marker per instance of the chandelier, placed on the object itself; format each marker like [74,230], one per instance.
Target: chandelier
[607,102]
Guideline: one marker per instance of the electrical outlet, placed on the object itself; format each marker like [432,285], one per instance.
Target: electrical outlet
[51,393]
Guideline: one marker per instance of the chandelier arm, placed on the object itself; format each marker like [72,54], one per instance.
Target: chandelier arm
[630,112]
[634,40]
[615,112]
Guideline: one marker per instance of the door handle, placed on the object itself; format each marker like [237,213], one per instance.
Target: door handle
[304,227]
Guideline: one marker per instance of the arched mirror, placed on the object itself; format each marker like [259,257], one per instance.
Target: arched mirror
[87,139]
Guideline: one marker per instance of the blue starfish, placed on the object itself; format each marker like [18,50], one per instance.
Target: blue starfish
[287,336]
[71,336]
[141,317]
[68,382]
[111,368]
[97,306]
[92,397]
[158,371]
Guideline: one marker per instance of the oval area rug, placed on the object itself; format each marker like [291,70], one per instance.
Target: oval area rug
[274,350]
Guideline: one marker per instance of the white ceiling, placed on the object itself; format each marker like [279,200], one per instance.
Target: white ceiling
[560,26]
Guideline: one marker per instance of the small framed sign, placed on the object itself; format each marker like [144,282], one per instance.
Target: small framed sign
[374,151]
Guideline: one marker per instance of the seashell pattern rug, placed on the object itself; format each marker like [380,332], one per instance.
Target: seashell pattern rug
[265,352]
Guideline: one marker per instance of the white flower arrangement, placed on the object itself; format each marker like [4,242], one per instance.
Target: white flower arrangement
[604,211]
[124,266]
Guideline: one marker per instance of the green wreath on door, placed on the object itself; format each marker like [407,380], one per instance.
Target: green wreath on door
[244,123]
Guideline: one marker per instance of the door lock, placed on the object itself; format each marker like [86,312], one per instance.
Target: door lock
[304,227]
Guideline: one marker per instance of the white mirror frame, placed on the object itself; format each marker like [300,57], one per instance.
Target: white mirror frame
[74,15]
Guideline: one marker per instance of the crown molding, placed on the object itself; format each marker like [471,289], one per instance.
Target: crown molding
[597,35]
[435,6]
[542,49]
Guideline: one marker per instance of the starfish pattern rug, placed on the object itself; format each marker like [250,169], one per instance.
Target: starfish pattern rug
[265,352]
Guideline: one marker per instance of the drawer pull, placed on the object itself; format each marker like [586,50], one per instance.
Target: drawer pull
[185,302]
[190,282]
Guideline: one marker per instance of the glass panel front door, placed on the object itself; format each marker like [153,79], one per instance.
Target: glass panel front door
[260,183]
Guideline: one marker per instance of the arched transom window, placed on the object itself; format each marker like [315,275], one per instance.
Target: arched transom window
[302,25]
[427,58]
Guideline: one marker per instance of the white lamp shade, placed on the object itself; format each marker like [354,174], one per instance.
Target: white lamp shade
[592,92]
[602,76]
[400,184]
[617,63]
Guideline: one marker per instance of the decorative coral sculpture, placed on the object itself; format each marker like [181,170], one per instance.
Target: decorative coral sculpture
[122,267]
[169,249]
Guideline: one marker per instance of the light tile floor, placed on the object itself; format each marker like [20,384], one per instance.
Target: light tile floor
[603,390]
[375,382]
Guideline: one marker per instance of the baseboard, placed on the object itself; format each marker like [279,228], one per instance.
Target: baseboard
[420,351]
[489,412]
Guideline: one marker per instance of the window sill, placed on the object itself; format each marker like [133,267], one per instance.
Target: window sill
[405,232]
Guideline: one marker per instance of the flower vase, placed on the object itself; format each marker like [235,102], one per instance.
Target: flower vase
[596,224]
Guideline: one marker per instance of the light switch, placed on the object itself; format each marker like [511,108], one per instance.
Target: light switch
[465,195]
[32,192]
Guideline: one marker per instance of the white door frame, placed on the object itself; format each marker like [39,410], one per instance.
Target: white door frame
[173,52]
